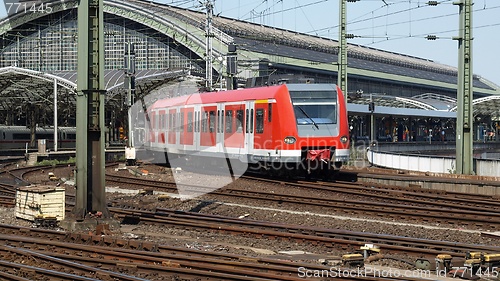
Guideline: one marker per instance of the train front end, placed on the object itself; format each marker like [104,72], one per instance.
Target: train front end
[321,130]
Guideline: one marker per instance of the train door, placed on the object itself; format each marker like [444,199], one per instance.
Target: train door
[249,127]
[234,134]
[188,130]
[262,131]
[208,122]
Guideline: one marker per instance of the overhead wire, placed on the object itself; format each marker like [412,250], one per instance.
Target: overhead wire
[287,9]
[369,16]
[399,37]
[412,20]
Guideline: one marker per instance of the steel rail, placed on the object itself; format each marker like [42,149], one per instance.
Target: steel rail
[328,237]
[445,214]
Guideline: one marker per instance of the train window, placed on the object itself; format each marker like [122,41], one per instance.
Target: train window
[198,122]
[71,136]
[239,121]
[190,122]
[251,121]
[174,119]
[247,119]
[167,122]
[269,111]
[195,118]
[45,136]
[170,121]
[179,121]
[21,136]
[3,133]
[204,122]
[229,121]
[176,123]
[315,113]
[212,121]
[218,120]
[181,127]
[221,123]
[259,121]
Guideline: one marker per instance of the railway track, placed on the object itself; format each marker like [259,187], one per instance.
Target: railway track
[465,213]
[342,239]
[94,257]
[409,195]
[376,201]
[379,203]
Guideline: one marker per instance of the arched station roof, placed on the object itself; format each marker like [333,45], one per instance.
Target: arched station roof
[181,33]
[30,86]
[485,106]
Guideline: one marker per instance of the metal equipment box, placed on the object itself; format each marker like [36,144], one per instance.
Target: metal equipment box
[35,203]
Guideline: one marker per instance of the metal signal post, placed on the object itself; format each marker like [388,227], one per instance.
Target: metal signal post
[465,91]
[90,182]
[342,54]
[209,6]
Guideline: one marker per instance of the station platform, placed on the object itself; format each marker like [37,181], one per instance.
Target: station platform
[436,157]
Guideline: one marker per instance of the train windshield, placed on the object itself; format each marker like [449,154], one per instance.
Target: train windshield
[314,107]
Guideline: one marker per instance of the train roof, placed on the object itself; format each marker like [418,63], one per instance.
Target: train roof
[258,93]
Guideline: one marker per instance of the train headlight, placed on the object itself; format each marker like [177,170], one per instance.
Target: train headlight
[343,139]
[290,140]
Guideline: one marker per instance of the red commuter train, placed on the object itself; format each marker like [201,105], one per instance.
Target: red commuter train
[280,129]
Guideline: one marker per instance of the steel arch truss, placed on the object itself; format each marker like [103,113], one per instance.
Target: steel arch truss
[24,92]
[152,15]
[486,106]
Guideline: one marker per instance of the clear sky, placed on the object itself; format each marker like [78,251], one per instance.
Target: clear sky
[393,25]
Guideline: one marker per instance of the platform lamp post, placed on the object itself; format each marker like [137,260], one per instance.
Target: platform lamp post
[371,109]
[129,85]
[55,115]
